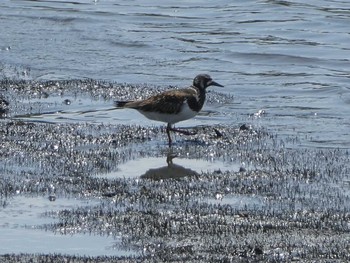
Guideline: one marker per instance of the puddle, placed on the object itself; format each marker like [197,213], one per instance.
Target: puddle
[21,216]
[24,240]
[157,168]
[23,211]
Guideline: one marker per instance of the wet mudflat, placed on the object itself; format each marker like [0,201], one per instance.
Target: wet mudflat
[229,193]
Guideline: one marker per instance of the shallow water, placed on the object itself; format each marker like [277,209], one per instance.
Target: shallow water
[287,58]
[20,233]
[158,167]
[31,241]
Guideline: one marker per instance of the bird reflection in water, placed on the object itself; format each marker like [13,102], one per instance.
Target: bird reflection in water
[170,171]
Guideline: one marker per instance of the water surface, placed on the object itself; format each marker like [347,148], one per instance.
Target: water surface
[288,58]
[21,220]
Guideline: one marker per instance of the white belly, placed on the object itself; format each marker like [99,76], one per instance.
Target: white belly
[185,114]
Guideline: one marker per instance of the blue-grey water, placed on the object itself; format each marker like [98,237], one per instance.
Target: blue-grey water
[286,63]
[287,59]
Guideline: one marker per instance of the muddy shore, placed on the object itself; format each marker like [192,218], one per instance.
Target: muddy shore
[293,202]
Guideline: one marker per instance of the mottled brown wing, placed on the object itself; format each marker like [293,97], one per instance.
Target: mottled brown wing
[166,102]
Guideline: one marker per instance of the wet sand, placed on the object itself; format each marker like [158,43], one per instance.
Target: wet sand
[266,198]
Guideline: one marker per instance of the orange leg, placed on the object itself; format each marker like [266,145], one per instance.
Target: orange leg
[169,128]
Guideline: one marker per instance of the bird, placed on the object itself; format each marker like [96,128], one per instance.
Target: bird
[175,105]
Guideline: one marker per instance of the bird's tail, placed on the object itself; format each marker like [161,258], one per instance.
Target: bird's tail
[120,104]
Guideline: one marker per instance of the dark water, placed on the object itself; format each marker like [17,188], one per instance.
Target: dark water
[286,63]
[287,58]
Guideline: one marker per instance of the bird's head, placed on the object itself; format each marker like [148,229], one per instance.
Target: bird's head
[203,81]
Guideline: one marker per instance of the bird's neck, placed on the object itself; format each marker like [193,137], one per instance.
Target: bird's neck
[198,104]
[201,97]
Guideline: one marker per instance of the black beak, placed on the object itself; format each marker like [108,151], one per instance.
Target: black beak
[213,83]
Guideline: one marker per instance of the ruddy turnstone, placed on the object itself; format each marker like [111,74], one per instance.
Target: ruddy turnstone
[173,106]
